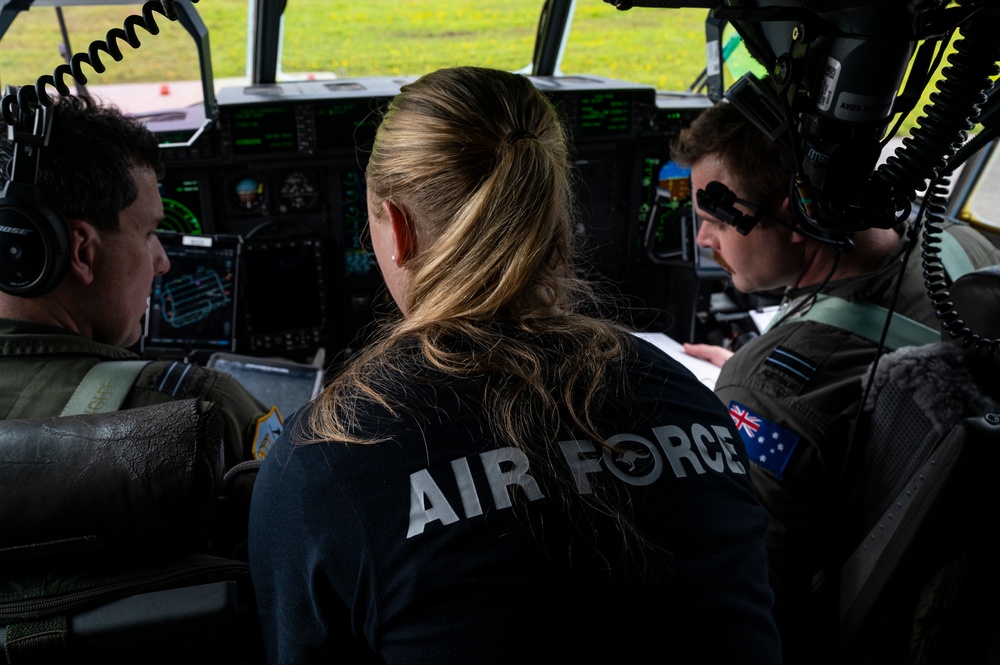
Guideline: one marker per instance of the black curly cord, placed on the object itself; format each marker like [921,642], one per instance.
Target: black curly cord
[952,112]
[924,73]
[935,278]
[938,136]
[29,98]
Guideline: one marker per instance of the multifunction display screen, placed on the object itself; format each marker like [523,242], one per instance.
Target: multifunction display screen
[263,130]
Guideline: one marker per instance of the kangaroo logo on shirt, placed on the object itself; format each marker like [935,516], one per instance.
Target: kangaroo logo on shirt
[632,459]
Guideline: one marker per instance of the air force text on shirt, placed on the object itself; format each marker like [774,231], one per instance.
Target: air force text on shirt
[638,461]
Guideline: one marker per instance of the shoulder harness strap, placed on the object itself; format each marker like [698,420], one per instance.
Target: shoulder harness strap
[866,319]
[954,259]
[104,387]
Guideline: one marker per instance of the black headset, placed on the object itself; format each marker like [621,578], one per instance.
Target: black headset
[718,200]
[34,237]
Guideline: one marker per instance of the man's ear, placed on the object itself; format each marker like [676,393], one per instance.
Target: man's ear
[403,234]
[84,247]
[786,213]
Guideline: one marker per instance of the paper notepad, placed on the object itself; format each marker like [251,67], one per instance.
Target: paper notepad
[703,370]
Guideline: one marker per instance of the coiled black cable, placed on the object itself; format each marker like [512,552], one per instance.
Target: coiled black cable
[939,135]
[28,98]
[951,113]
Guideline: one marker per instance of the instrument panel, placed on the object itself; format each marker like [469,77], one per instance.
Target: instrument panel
[283,165]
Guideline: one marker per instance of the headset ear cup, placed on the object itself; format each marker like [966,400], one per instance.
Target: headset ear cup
[34,243]
[842,242]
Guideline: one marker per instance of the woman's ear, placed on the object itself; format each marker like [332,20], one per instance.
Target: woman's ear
[84,247]
[403,234]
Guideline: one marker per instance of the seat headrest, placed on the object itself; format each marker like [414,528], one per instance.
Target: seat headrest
[976,296]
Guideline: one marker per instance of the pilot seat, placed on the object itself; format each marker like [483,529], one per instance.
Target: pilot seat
[112,541]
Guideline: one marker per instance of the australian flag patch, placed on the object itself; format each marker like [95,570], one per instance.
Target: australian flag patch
[768,445]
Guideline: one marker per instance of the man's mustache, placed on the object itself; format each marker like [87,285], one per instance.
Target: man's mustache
[722,262]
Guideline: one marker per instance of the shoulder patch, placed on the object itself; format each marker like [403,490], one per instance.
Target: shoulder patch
[173,378]
[266,432]
[768,445]
[791,363]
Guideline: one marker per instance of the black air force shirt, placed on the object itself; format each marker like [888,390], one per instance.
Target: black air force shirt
[446,544]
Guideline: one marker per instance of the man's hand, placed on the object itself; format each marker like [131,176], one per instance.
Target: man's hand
[717,355]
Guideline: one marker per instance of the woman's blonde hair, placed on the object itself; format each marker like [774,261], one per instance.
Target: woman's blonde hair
[478,163]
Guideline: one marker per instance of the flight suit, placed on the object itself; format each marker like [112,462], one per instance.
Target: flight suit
[797,389]
[41,366]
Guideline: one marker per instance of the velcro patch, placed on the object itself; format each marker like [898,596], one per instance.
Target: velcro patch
[768,445]
[791,363]
[266,432]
